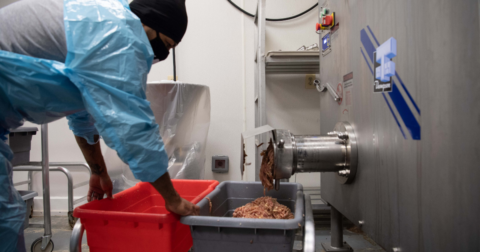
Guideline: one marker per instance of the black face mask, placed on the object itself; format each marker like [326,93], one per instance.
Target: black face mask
[159,49]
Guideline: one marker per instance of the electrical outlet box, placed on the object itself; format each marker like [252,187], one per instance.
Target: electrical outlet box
[220,164]
[309,79]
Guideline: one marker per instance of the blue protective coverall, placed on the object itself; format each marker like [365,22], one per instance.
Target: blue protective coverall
[100,88]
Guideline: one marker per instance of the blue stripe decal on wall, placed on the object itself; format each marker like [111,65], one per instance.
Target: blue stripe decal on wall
[405,112]
[367,44]
[390,107]
[400,104]
[366,60]
[373,35]
[408,93]
[394,116]
[396,74]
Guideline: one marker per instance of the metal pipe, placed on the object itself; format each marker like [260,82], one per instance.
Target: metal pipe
[30,179]
[260,79]
[76,237]
[22,183]
[330,90]
[79,200]
[336,228]
[46,188]
[69,187]
[64,164]
[309,231]
[174,66]
[335,152]
[61,169]
[80,184]
[319,154]
[82,164]
[336,233]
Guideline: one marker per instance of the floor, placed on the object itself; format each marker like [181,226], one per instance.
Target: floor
[61,234]
[356,239]
[61,237]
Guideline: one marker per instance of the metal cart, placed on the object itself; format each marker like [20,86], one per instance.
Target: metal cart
[60,167]
[45,242]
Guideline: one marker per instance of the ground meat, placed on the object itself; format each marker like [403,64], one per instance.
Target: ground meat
[266,169]
[263,208]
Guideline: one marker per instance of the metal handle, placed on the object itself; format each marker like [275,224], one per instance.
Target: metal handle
[309,231]
[321,88]
[76,238]
[332,92]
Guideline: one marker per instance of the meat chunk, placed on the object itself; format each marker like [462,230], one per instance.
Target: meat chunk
[266,169]
[263,208]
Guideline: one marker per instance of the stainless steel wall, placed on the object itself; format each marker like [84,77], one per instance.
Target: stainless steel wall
[418,180]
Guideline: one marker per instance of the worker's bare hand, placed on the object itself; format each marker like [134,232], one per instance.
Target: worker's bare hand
[99,186]
[173,202]
[182,207]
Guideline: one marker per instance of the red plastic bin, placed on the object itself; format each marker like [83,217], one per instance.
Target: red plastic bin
[136,219]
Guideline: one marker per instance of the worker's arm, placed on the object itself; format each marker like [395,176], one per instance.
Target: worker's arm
[100,183]
[173,201]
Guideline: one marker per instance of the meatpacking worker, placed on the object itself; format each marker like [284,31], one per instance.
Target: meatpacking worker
[87,61]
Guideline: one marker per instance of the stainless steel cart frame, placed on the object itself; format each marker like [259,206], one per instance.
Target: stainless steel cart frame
[308,231]
[61,167]
[44,167]
[47,222]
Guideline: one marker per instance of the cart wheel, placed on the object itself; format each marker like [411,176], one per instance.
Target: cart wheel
[71,220]
[37,246]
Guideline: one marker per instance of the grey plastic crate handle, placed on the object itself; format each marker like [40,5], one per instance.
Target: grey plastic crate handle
[309,231]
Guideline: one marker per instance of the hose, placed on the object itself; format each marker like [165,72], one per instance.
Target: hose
[174,66]
[273,19]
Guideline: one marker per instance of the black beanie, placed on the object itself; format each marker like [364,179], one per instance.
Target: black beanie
[165,16]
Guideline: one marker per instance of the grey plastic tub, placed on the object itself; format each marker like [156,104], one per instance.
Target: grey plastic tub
[28,196]
[219,231]
[20,142]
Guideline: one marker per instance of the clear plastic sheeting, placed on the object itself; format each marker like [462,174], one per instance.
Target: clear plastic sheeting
[183,113]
